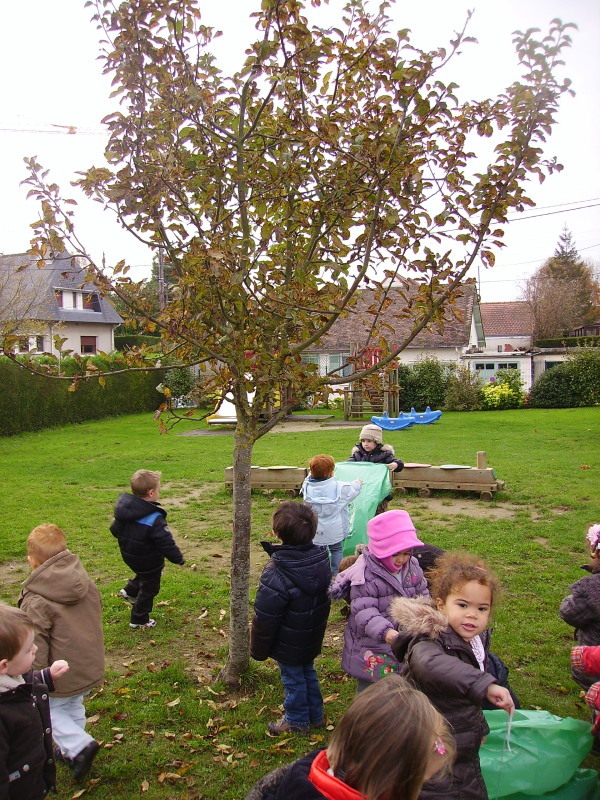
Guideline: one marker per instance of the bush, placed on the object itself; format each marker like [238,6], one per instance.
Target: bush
[570,385]
[32,402]
[499,396]
[180,381]
[423,384]
[464,390]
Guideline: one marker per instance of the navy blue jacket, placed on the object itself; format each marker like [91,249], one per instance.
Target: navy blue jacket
[382,454]
[144,537]
[292,605]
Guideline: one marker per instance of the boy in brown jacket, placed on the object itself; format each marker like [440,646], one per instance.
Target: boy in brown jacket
[65,607]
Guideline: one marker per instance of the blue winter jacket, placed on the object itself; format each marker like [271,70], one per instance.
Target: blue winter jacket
[292,605]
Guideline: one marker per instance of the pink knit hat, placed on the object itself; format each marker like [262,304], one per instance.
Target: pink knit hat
[390,533]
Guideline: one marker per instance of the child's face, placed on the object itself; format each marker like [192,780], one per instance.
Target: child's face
[368,444]
[400,559]
[22,662]
[467,609]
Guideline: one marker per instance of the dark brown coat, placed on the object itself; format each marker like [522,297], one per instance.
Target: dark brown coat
[443,666]
[27,768]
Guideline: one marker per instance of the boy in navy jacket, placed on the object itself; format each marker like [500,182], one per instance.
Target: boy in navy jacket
[290,615]
[145,540]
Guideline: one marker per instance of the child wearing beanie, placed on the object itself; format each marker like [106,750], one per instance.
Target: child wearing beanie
[371,448]
[385,570]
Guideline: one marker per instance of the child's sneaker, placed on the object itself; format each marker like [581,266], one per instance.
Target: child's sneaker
[122,593]
[283,726]
[150,624]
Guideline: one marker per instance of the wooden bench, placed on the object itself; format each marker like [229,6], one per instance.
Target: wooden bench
[481,479]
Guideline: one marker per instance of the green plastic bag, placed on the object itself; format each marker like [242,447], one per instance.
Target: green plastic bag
[377,485]
[545,751]
[582,786]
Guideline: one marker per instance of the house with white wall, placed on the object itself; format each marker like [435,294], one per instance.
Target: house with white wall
[38,303]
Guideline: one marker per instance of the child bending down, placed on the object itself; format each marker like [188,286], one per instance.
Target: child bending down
[290,615]
[388,742]
[385,570]
[445,649]
[329,501]
[27,768]
[581,608]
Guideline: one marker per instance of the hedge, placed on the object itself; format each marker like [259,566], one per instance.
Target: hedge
[569,341]
[32,402]
[135,340]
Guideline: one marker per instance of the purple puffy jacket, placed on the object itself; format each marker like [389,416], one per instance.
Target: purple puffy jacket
[370,588]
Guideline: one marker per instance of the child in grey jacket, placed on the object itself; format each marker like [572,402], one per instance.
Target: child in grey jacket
[329,501]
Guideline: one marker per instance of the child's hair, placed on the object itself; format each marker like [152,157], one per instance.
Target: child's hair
[379,758]
[44,542]
[143,480]
[14,627]
[593,539]
[453,570]
[321,466]
[294,523]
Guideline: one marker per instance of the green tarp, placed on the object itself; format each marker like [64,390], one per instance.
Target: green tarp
[543,760]
[377,485]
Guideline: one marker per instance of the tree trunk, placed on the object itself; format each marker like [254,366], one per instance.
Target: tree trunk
[239,637]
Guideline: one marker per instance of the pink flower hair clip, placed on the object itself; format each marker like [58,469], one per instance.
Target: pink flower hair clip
[593,536]
[439,746]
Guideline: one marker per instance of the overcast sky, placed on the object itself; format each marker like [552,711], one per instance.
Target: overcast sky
[51,78]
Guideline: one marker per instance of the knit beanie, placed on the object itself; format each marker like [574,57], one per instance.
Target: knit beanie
[371,431]
[390,533]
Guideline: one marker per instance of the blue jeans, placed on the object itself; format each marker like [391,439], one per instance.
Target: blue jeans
[302,698]
[336,553]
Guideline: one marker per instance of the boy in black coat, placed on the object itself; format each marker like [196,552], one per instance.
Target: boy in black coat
[290,615]
[145,541]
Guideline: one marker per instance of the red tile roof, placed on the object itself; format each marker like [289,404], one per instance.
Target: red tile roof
[507,319]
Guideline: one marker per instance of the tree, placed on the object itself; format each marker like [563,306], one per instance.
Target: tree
[563,293]
[334,158]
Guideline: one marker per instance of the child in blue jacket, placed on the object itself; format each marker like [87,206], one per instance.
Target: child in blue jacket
[290,615]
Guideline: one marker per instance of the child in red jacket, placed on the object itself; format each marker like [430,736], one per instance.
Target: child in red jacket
[587,659]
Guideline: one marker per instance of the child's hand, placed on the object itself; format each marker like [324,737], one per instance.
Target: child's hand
[391,635]
[392,466]
[360,480]
[500,697]
[58,668]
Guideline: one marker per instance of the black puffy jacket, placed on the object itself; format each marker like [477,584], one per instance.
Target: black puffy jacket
[382,454]
[292,605]
[144,537]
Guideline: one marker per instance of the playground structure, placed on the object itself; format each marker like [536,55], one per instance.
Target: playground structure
[406,420]
[423,477]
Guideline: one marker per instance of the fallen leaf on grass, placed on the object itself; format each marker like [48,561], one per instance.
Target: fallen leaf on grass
[78,794]
[163,603]
[260,711]
[330,698]
[218,555]
[171,777]
[174,703]
[144,786]
[203,614]
[93,720]
[282,743]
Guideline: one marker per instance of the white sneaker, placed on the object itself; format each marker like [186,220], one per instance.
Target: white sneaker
[150,624]
[122,593]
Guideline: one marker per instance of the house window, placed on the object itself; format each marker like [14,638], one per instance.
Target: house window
[88,301]
[39,344]
[550,364]
[508,366]
[500,348]
[337,361]
[59,298]
[88,345]
[24,345]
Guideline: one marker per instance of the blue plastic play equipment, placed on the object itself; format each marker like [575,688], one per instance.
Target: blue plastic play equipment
[391,424]
[406,420]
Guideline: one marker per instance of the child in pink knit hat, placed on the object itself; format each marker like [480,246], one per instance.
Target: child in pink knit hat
[385,570]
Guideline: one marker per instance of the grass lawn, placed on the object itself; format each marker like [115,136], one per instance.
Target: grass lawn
[167,730]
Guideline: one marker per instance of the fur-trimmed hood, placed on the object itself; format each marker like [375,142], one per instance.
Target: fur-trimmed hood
[386,447]
[418,616]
